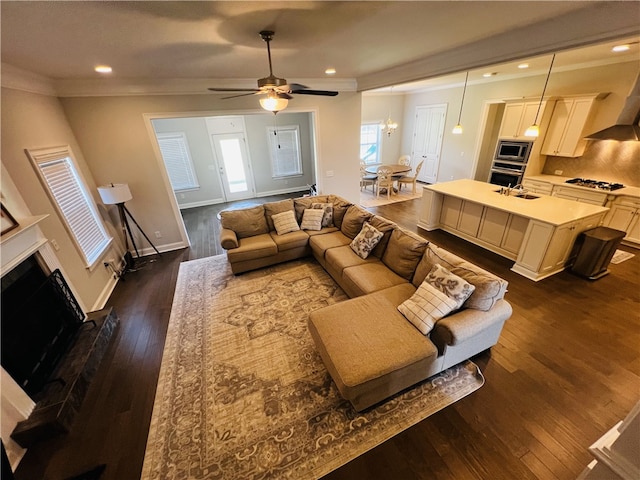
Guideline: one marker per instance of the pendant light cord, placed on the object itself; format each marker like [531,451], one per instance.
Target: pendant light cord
[544,89]
[464,90]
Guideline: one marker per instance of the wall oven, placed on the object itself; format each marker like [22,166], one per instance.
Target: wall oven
[509,163]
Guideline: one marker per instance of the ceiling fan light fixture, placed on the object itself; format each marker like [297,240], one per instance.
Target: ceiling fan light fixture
[273,103]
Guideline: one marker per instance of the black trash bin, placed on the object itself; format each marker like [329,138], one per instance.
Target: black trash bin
[595,248]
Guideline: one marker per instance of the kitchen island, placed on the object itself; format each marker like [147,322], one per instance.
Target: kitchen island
[537,232]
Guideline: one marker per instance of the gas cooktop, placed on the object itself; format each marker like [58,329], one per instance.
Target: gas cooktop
[585,182]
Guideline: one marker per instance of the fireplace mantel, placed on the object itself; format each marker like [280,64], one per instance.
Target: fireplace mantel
[20,243]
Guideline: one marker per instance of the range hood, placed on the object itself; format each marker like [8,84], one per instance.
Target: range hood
[626,127]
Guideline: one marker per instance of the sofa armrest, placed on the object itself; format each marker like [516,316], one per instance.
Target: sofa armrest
[467,323]
[228,239]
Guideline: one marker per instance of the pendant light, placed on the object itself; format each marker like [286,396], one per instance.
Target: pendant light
[534,130]
[389,126]
[457,130]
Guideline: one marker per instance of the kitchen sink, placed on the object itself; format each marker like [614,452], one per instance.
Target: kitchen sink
[525,196]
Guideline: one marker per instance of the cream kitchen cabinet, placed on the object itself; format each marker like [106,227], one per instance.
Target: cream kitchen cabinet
[537,186]
[580,194]
[547,248]
[564,137]
[625,215]
[517,117]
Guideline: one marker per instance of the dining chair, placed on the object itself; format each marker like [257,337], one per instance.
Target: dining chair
[410,179]
[385,180]
[404,160]
[367,178]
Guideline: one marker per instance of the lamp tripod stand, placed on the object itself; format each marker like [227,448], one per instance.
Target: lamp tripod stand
[126,228]
[117,194]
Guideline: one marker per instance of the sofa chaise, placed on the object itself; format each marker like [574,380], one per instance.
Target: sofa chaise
[414,308]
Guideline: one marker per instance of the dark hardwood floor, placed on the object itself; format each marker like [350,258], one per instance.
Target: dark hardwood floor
[566,369]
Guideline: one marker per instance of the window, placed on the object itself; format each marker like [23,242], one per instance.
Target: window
[370,143]
[58,171]
[284,143]
[175,153]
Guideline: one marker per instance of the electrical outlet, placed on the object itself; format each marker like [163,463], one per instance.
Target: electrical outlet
[329,173]
[558,172]
[158,234]
[55,244]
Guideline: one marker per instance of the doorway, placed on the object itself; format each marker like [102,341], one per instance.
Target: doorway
[233,165]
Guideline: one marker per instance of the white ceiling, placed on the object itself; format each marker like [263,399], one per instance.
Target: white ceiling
[371,44]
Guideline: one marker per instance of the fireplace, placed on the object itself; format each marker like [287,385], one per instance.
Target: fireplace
[40,319]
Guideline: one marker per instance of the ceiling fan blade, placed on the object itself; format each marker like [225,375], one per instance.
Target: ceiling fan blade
[234,89]
[294,86]
[242,95]
[325,93]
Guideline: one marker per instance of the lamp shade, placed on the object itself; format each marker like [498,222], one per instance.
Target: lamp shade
[115,193]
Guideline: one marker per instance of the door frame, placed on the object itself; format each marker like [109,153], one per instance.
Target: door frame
[251,188]
[175,208]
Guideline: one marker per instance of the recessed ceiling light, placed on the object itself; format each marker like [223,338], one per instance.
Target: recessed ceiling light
[330,71]
[489,74]
[103,69]
[621,48]
[523,65]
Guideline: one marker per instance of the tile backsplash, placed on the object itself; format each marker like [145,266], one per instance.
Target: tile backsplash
[606,160]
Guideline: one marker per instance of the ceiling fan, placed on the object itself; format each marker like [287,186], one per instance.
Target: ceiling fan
[278,92]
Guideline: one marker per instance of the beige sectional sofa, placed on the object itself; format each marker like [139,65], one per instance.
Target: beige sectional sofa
[369,347]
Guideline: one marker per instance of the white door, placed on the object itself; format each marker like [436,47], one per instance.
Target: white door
[233,164]
[427,140]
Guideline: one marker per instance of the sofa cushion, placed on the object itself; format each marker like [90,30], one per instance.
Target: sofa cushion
[273,208]
[285,222]
[323,231]
[290,240]
[254,247]
[353,220]
[320,244]
[339,258]
[386,227]
[340,207]
[426,307]
[369,348]
[364,243]
[327,208]
[302,203]
[403,252]
[312,219]
[489,288]
[369,277]
[451,285]
[246,222]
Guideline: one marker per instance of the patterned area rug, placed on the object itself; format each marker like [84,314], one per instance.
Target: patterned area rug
[620,256]
[244,395]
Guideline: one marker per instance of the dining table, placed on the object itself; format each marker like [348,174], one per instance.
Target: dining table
[396,170]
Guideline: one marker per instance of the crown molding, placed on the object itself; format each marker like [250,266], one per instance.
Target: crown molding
[19,79]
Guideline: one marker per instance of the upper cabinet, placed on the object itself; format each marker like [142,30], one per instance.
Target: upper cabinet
[564,137]
[517,117]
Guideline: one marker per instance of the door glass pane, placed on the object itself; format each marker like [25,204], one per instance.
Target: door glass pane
[232,158]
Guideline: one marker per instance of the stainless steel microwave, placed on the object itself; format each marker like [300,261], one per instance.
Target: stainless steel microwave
[513,151]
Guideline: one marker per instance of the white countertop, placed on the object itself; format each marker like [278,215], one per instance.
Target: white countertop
[553,210]
[558,180]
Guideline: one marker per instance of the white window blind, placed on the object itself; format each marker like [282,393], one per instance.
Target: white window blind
[177,159]
[72,200]
[284,145]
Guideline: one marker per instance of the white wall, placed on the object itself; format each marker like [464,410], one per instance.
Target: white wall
[376,109]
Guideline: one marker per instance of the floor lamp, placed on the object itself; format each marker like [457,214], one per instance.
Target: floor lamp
[117,194]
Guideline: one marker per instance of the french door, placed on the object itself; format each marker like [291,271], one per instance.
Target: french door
[427,140]
[233,165]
